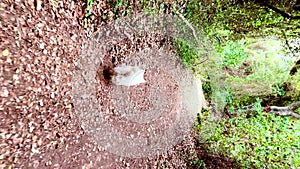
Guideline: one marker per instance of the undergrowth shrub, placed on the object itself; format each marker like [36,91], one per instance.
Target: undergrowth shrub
[255,67]
[261,141]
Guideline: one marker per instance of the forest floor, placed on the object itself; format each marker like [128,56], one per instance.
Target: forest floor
[40,42]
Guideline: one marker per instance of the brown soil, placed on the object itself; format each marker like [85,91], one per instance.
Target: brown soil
[40,41]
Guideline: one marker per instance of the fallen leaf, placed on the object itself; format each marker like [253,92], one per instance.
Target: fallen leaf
[38,5]
[5,52]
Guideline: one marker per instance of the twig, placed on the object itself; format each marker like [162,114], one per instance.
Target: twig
[282,13]
[19,28]
[287,43]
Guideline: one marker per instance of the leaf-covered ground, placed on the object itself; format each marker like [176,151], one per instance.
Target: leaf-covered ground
[40,41]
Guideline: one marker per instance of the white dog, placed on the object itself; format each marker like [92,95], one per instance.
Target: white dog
[128,75]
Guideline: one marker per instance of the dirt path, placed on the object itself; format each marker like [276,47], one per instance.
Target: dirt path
[40,41]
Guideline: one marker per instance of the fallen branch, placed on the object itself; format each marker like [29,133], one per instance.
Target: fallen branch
[286,111]
[280,111]
[294,105]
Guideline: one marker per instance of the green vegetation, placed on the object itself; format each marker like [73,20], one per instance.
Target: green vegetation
[262,141]
[233,54]
[252,73]
[252,64]
[188,55]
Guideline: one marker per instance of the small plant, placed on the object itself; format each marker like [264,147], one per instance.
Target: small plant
[199,163]
[278,91]
[89,7]
[233,54]
[257,106]
[119,4]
